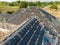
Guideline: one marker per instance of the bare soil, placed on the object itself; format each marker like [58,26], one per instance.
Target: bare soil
[54,12]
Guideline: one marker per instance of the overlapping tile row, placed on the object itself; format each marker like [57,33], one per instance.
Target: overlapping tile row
[58,40]
[28,34]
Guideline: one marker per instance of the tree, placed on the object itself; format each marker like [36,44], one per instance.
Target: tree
[23,4]
[38,3]
[31,4]
[11,4]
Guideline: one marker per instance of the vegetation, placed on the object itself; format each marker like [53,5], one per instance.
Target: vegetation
[10,12]
[23,4]
[54,6]
[4,9]
[0,12]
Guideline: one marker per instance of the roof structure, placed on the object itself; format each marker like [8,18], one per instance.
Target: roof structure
[27,34]
[31,33]
[21,15]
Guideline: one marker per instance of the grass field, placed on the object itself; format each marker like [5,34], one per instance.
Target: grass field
[4,9]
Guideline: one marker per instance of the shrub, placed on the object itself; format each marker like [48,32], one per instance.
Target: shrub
[54,7]
[0,12]
[10,12]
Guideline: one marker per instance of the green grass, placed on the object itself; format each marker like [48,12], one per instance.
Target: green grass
[4,9]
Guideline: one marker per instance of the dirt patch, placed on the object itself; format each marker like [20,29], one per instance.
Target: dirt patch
[2,35]
[54,12]
[5,30]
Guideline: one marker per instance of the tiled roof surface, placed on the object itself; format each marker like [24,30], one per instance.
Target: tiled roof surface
[30,34]
[59,41]
[19,16]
